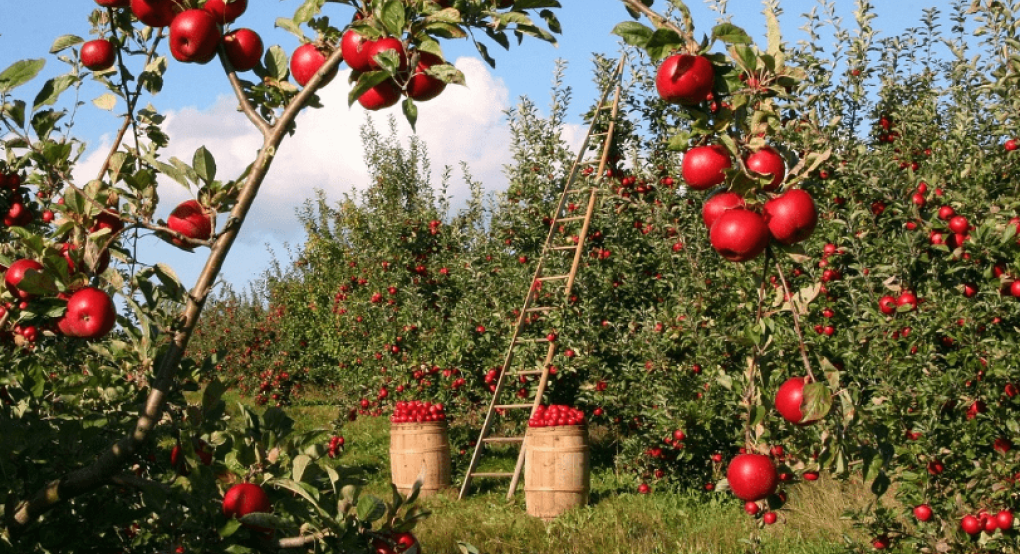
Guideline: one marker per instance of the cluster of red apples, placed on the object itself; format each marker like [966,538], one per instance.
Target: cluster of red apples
[417,411]
[195,32]
[556,415]
[737,231]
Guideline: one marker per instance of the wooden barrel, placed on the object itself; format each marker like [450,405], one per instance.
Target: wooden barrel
[557,469]
[417,445]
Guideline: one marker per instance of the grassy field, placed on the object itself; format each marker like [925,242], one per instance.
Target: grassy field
[617,520]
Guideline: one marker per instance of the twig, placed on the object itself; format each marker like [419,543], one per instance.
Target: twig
[751,390]
[661,21]
[796,322]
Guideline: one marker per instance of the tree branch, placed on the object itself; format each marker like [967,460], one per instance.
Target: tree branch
[109,462]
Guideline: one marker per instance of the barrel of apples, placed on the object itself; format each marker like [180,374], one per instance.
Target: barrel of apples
[557,465]
[419,445]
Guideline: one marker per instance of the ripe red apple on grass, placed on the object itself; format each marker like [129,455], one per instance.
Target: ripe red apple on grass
[768,161]
[90,314]
[306,61]
[684,79]
[703,166]
[192,220]
[752,477]
[791,217]
[739,235]
[98,55]
[244,49]
[155,13]
[225,12]
[246,498]
[194,36]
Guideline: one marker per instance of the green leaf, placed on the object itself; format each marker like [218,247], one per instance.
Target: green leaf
[106,102]
[881,484]
[266,521]
[212,395]
[19,73]
[390,13]
[275,61]
[410,111]
[52,90]
[662,43]
[65,42]
[308,10]
[16,112]
[371,508]
[634,33]
[365,82]
[205,164]
[300,464]
[230,528]
[730,34]
[817,401]
[534,4]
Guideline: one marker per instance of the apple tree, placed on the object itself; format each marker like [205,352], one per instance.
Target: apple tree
[103,449]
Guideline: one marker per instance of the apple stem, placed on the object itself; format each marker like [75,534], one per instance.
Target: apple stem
[796,321]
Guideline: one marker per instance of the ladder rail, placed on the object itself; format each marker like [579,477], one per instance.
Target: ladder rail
[535,287]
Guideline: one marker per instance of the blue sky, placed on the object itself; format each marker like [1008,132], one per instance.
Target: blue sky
[462,125]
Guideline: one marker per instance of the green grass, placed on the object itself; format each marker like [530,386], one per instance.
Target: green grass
[617,520]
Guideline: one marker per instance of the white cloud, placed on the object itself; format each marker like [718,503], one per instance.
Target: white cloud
[463,124]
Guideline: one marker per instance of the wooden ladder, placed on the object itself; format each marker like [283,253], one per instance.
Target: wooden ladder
[560,216]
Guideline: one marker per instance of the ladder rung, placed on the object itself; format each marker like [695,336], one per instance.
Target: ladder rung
[497,475]
[530,341]
[512,406]
[553,277]
[503,440]
[566,247]
[572,218]
[542,309]
[529,372]
[579,191]
[600,134]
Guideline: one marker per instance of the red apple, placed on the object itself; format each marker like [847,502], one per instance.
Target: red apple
[719,203]
[306,61]
[223,12]
[376,47]
[959,224]
[14,275]
[114,3]
[107,219]
[244,499]
[685,79]
[752,477]
[381,96]
[1011,145]
[244,49]
[98,55]
[923,512]
[790,398]
[791,217]
[946,213]
[1004,520]
[880,542]
[90,314]
[396,543]
[768,161]
[194,36]
[421,86]
[354,48]
[907,299]
[703,166]
[192,220]
[769,518]
[643,488]
[155,13]
[739,235]
[970,525]
[887,304]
